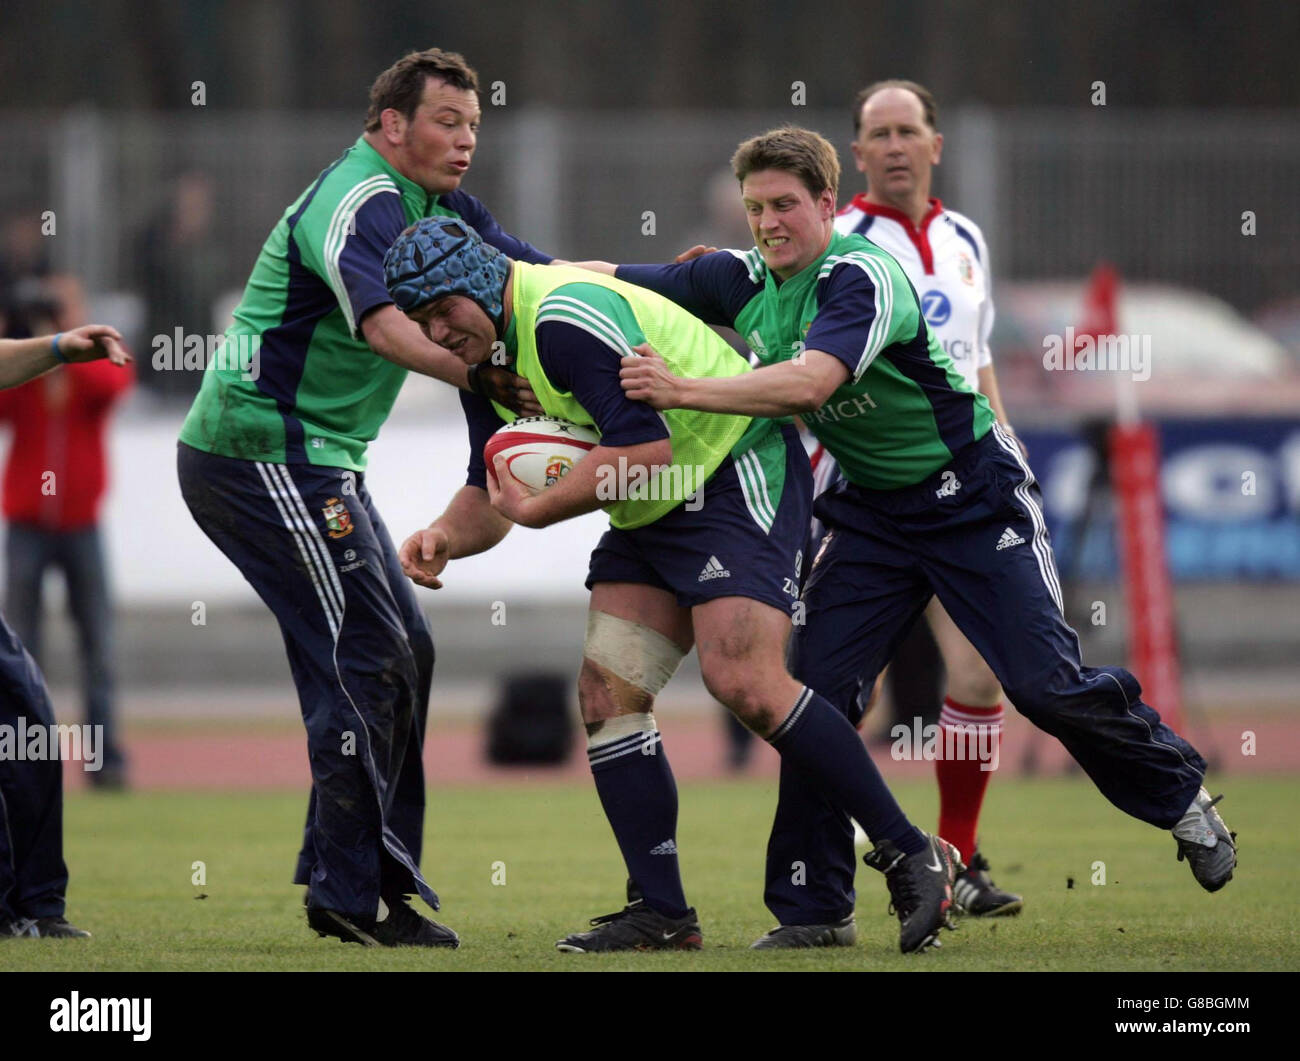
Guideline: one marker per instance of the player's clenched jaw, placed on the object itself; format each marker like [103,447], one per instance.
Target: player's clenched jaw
[459,324]
[790,225]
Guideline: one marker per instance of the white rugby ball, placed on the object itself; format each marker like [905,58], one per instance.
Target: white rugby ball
[539,450]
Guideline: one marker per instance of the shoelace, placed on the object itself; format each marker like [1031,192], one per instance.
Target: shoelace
[902,893]
[1231,832]
[1204,813]
[1212,802]
[606,919]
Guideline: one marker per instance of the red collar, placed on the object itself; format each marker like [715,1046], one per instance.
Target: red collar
[919,236]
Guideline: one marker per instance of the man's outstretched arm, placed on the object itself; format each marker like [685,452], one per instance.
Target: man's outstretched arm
[392,335]
[788,389]
[24,359]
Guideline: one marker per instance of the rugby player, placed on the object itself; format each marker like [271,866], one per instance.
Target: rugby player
[720,573]
[937,500]
[943,253]
[272,466]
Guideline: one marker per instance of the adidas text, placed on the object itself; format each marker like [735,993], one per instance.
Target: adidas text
[713,569]
[1008,539]
[668,847]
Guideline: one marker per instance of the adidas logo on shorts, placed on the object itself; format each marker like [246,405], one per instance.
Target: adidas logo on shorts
[713,569]
[668,847]
[1008,539]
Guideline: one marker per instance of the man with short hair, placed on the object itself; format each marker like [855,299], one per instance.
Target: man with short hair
[60,423]
[272,465]
[720,572]
[937,500]
[896,146]
[33,875]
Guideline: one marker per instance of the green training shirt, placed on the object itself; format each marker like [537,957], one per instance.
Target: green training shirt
[295,381]
[904,411]
[557,307]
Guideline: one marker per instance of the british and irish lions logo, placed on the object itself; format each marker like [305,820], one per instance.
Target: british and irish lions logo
[557,468]
[338,520]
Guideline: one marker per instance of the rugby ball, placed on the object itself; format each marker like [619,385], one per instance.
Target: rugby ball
[539,450]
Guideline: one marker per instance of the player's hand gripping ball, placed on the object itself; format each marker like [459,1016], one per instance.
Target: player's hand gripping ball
[539,450]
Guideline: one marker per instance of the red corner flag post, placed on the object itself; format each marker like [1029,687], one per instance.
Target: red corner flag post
[1135,479]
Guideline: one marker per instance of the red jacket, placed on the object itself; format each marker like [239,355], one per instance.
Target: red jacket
[68,441]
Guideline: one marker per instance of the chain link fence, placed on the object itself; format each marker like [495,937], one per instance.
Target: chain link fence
[1163,195]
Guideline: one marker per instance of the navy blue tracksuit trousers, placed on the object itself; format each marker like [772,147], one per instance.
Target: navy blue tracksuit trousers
[33,877]
[310,542]
[973,534]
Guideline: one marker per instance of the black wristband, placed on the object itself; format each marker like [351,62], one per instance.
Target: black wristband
[474,380]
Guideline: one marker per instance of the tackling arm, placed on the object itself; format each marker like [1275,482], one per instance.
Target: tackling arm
[787,389]
[607,268]
[392,335]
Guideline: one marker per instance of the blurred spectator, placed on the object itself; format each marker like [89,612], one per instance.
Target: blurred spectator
[24,250]
[53,484]
[181,273]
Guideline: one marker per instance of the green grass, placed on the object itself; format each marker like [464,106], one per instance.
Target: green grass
[131,858]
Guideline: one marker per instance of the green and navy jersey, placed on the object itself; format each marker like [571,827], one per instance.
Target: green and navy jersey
[568,333]
[316,393]
[903,412]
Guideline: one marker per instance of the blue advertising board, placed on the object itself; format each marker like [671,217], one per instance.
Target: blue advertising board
[1231,490]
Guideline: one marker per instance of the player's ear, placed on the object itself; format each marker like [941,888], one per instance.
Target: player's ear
[937,150]
[858,163]
[826,202]
[393,123]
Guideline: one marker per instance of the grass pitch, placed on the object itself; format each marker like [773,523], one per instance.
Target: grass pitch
[132,861]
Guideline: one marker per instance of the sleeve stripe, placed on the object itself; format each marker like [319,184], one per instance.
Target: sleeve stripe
[752,261]
[336,236]
[622,350]
[882,325]
[595,323]
[562,307]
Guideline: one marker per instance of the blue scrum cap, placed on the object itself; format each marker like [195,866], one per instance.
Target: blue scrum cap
[439,256]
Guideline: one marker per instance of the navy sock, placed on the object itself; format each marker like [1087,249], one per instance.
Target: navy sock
[637,790]
[819,739]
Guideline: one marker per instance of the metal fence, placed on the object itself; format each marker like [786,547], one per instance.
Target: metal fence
[1160,193]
